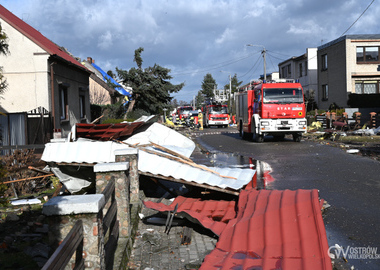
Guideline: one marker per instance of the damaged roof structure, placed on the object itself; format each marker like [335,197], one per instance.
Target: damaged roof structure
[271,229]
[94,144]
[262,229]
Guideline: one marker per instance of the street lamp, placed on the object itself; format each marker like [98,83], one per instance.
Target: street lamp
[263,53]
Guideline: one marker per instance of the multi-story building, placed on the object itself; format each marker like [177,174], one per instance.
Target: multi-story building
[348,65]
[304,69]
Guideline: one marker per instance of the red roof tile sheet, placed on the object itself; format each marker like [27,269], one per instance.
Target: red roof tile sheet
[273,230]
[213,215]
[106,132]
[37,37]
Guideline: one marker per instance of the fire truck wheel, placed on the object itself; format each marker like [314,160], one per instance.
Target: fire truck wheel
[259,138]
[297,137]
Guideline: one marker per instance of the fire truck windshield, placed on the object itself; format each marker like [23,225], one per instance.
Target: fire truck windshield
[282,95]
[218,110]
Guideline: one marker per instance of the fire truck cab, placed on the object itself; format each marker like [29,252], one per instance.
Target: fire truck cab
[271,108]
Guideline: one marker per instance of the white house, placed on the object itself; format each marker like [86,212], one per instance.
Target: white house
[40,74]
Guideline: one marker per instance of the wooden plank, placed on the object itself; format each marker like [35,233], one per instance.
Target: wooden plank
[111,244]
[30,178]
[175,159]
[66,249]
[109,217]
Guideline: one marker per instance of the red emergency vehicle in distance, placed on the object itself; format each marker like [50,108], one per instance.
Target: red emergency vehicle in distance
[184,111]
[215,115]
[273,108]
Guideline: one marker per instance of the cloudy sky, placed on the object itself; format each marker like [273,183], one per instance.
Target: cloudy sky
[196,37]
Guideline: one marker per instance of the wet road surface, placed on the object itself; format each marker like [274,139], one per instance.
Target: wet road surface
[349,183]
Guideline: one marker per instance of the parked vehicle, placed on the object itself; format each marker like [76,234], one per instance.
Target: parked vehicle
[215,115]
[271,108]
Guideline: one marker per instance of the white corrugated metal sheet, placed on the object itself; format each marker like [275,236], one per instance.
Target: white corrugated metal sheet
[81,151]
[170,168]
[87,151]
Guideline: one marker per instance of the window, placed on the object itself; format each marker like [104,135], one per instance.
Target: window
[367,87]
[63,105]
[300,69]
[325,92]
[305,68]
[367,54]
[289,70]
[283,72]
[324,62]
[82,108]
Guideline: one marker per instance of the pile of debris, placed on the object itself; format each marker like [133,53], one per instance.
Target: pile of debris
[258,229]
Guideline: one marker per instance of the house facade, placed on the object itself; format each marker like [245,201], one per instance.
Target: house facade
[304,69]
[348,67]
[39,74]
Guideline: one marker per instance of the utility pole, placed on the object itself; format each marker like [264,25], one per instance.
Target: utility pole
[265,64]
[263,52]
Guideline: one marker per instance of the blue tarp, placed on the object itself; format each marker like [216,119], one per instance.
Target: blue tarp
[107,78]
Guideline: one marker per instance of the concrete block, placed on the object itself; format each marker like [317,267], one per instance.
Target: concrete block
[111,167]
[74,204]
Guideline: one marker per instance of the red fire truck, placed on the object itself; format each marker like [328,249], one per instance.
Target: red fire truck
[215,115]
[184,111]
[271,108]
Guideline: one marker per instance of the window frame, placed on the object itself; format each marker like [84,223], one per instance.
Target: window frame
[63,102]
[363,83]
[325,92]
[364,56]
[324,62]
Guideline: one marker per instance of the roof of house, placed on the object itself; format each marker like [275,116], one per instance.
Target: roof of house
[35,36]
[357,37]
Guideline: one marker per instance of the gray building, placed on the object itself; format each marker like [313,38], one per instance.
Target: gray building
[304,69]
[348,65]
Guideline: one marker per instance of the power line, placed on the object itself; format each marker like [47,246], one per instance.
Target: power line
[358,17]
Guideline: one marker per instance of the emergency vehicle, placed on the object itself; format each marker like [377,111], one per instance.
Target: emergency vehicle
[215,115]
[272,108]
[184,111]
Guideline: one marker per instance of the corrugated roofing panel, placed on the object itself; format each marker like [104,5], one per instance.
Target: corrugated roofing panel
[82,151]
[213,215]
[231,178]
[273,230]
[87,151]
[106,132]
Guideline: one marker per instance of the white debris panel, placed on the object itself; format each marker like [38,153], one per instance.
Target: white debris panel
[164,136]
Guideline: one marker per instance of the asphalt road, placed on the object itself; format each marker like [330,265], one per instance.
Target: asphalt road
[349,183]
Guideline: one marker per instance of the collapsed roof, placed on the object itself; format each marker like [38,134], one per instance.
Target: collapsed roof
[271,229]
[163,153]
